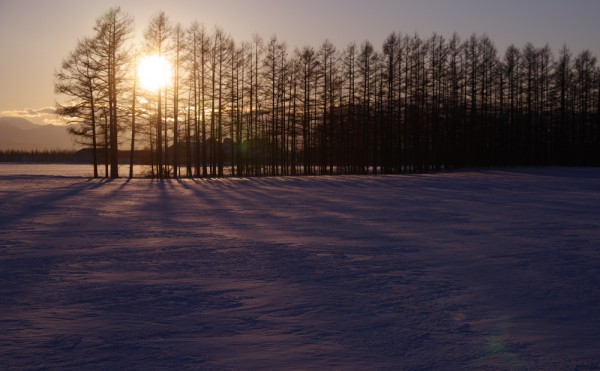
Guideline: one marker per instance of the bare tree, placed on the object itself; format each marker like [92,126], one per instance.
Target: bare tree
[178,45]
[156,37]
[78,79]
[133,116]
[113,29]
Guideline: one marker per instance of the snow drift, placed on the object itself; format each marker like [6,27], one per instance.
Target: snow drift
[482,269]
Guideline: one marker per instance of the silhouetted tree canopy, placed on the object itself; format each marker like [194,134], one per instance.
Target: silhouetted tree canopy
[257,108]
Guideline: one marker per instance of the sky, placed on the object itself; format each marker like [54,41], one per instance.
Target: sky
[35,35]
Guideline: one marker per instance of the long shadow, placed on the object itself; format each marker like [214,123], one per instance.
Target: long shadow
[318,293]
[48,200]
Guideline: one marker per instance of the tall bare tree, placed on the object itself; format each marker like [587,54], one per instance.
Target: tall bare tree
[178,46]
[156,37]
[113,30]
[78,79]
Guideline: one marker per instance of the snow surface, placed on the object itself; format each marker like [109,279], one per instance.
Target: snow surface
[466,270]
[67,169]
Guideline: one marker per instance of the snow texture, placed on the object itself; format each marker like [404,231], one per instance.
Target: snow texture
[467,270]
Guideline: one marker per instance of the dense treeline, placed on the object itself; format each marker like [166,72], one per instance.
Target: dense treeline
[257,108]
[51,156]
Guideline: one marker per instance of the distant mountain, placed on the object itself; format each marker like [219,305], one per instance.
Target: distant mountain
[20,134]
[18,123]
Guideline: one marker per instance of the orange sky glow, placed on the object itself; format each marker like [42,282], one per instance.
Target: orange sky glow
[35,35]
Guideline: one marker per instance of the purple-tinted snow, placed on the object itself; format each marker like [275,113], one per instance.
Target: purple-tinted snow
[482,269]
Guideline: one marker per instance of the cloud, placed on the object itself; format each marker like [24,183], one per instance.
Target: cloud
[54,121]
[30,112]
[40,116]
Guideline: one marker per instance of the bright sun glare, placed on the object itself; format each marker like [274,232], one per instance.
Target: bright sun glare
[154,72]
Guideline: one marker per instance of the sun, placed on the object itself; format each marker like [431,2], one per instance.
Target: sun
[154,72]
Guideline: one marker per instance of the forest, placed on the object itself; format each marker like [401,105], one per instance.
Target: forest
[256,108]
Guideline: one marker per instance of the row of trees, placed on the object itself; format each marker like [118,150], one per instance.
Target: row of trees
[53,155]
[256,108]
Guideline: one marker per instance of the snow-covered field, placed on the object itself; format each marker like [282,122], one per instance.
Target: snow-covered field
[69,170]
[466,270]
